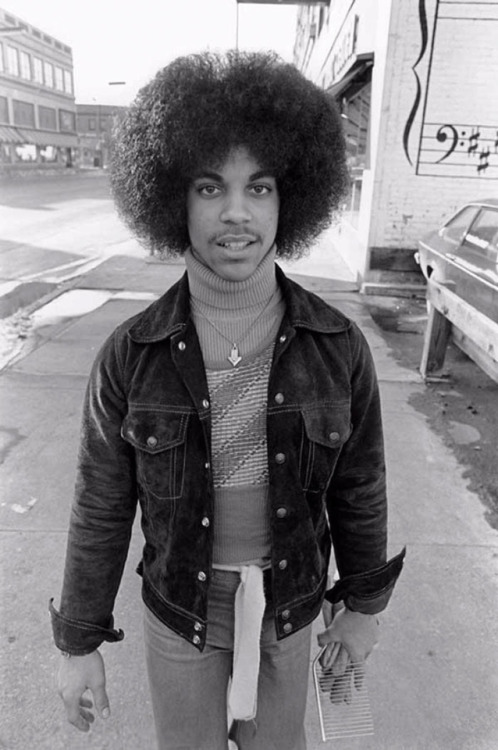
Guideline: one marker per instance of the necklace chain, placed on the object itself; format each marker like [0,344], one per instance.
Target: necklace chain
[234,358]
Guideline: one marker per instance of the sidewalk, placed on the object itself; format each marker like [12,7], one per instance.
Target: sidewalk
[433,681]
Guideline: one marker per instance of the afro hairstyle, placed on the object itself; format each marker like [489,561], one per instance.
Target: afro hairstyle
[200,107]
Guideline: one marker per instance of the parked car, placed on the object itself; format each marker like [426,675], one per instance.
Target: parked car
[465,251]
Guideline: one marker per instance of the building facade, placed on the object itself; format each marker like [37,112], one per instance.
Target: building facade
[415,83]
[37,104]
[95,123]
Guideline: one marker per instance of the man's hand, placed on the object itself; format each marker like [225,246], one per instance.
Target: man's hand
[349,638]
[76,675]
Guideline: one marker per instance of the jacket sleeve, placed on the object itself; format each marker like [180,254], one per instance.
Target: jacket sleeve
[356,497]
[102,514]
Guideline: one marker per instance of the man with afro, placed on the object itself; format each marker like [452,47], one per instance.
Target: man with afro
[239,411]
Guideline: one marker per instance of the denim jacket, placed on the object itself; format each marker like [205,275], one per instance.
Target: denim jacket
[146,437]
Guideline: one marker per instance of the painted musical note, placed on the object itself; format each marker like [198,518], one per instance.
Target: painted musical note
[442,136]
[473,141]
[483,160]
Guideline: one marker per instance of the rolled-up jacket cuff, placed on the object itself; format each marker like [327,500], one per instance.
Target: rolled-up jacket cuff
[77,637]
[368,592]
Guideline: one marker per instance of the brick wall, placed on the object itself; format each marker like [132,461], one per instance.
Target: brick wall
[457,74]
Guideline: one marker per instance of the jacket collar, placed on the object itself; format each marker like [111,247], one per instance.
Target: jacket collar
[171,312]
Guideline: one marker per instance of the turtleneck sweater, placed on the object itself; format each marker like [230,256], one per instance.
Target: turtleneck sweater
[248,313]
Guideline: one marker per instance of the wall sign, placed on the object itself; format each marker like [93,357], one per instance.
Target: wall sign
[458,110]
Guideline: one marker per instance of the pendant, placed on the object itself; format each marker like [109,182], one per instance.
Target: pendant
[234,358]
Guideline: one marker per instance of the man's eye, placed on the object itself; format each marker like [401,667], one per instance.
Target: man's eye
[261,189]
[208,190]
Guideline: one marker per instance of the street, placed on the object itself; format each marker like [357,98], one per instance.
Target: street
[433,681]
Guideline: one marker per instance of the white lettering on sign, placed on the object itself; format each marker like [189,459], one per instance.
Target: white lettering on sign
[344,49]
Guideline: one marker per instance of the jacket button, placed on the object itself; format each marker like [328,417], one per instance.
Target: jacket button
[205,403]
[281,512]
[287,627]
[280,458]
[205,522]
[283,338]
[207,465]
[182,346]
[201,575]
[286,614]
[152,441]
[282,564]
[198,626]
[334,437]
[196,640]
[279,398]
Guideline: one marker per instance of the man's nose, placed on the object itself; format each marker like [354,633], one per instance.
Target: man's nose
[235,209]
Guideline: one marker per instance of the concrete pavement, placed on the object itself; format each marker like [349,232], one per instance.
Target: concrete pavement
[433,680]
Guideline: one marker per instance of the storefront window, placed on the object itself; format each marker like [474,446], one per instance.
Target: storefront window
[48,154]
[355,111]
[25,153]
[5,153]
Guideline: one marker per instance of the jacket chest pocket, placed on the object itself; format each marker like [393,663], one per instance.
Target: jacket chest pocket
[325,430]
[159,439]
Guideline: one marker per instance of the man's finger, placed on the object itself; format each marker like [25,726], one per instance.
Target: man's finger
[341,662]
[101,701]
[359,674]
[329,655]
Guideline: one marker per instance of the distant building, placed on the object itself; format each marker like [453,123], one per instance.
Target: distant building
[416,85]
[94,124]
[37,106]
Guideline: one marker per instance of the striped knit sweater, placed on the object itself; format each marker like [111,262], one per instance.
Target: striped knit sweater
[238,401]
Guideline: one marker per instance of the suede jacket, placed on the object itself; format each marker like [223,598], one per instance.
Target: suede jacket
[146,439]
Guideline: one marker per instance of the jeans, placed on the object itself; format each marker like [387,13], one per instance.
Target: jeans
[189,688]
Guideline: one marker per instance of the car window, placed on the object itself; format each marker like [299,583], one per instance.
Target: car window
[454,230]
[482,233]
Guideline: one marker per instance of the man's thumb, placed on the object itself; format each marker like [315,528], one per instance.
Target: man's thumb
[102,702]
[328,636]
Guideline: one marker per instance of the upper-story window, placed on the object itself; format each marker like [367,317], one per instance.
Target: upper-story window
[24,113]
[2,68]
[13,60]
[49,74]
[68,82]
[25,66]
[4,109]
[66,121]
[37,70]
[59,80]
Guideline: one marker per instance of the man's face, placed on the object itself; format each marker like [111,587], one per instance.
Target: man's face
[233,216]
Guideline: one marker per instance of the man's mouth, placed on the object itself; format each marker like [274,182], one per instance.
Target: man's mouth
[235,242]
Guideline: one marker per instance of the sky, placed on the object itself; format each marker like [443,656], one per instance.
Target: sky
[129,40]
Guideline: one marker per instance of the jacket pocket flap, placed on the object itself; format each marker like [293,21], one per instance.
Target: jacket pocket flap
[326,425]
[153,431]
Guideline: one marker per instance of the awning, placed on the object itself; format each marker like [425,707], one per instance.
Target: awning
[47,138]
[354,74]
[10,135]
